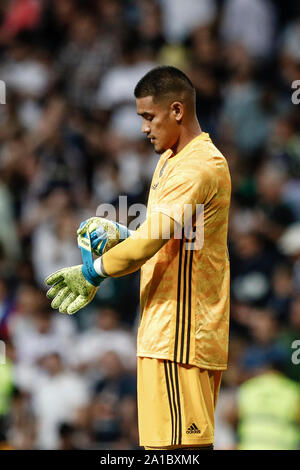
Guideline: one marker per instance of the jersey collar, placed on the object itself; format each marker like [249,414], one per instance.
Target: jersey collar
[169,153]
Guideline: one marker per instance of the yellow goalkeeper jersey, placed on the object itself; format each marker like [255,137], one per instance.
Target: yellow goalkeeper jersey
[185,286]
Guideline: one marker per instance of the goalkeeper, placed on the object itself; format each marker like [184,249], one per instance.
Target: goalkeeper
[182,339]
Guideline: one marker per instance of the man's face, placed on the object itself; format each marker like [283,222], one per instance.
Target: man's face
[159,123]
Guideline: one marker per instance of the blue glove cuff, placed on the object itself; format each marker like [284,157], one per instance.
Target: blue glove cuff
[91,275]
[88,269]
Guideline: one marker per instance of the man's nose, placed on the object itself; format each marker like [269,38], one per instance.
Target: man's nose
[145,128]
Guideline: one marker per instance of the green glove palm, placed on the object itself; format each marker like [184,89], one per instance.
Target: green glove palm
[70,290]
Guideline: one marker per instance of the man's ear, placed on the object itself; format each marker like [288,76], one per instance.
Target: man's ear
[177,110]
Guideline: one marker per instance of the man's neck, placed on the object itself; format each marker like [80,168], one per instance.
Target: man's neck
[186,137]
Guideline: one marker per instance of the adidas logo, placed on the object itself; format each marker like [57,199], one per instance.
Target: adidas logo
[193,429]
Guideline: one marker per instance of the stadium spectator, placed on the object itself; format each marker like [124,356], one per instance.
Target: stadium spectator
[57,400]
[268,411]
[106,335]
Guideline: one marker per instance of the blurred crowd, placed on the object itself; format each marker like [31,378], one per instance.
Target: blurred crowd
[70,140]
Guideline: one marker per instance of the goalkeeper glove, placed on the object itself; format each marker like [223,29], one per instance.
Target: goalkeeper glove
[75,287]
[72,289]
[104,234]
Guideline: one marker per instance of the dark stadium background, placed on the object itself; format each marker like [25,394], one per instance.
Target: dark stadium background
[70,140]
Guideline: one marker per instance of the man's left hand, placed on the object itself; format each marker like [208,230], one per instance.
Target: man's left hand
[70,290]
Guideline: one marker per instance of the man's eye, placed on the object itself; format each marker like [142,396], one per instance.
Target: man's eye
[149,118]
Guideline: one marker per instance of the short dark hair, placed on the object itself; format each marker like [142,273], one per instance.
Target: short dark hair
[165,81]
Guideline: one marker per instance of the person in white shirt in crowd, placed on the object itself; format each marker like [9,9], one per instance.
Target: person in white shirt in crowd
[57,400]
[106,335]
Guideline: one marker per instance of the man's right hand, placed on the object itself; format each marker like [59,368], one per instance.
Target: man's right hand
[104,234]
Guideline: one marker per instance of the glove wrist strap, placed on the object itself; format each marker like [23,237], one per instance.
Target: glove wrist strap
[88,269]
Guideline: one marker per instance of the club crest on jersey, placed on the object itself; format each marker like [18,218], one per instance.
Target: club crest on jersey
[154,186]
[163,169]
